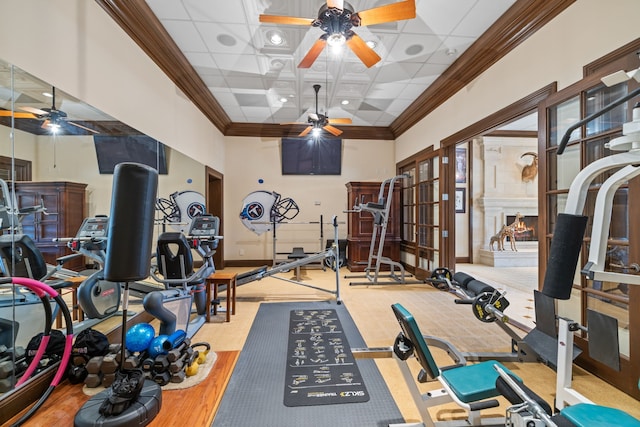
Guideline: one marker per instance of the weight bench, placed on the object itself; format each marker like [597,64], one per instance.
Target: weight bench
[528,408]
[472,387]
[297,253]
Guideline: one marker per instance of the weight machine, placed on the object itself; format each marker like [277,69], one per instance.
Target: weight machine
[380,211]
[330,256]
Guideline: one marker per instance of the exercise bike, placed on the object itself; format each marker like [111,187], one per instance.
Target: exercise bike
[174,268]
[97,297]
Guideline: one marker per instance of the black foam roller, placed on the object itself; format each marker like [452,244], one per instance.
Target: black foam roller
[563,255]
[476,287]
[130,235]
[462,279]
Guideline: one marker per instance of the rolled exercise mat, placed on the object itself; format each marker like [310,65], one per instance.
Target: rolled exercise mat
[563,255]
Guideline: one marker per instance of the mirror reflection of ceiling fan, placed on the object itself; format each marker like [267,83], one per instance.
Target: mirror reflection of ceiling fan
[52,118]
[318,122]
[336,18]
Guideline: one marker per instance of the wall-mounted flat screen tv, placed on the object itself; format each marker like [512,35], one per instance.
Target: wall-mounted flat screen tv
[311,156]
[114,149]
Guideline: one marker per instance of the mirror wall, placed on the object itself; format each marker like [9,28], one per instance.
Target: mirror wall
[50,148]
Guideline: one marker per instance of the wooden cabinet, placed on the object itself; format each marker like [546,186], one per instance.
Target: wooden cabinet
[65,211]
[360,226]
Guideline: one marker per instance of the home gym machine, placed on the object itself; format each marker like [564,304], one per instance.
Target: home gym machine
[471,386]
[380,210]
[183,286]
[330,256]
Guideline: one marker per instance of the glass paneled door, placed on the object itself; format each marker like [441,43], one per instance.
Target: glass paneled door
[421,214]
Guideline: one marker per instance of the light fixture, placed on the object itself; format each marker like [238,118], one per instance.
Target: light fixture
[372,44]
[283,99]
[315,132]
[336,40]
[53,127]
[47,94]
[275,37]
[451,52]
[345,102]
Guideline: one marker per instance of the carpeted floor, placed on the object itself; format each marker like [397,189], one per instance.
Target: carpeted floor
[254,395]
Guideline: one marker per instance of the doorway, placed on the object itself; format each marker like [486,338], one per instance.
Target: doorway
[215,206]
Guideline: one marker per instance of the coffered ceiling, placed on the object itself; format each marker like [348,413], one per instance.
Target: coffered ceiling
[227,63]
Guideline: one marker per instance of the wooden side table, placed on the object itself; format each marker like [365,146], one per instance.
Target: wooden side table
[214,281]
[76,310]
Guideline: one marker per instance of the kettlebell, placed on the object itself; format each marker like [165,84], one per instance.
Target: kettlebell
[192,364]
[202,354]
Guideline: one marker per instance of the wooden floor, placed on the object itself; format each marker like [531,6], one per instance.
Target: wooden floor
[194,406]
[370,309]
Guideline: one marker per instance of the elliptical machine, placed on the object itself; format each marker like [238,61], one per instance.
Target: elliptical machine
[174,268]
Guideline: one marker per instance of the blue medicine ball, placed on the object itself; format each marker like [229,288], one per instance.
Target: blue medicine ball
[155,347]
[140,336]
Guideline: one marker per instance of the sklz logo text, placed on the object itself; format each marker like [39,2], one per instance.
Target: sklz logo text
[352,393]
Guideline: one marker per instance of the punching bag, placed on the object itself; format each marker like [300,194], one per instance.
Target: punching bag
[130,236]
[563,255]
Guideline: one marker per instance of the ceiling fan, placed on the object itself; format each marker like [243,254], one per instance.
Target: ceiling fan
[336,18]
[52,117]
[318,121]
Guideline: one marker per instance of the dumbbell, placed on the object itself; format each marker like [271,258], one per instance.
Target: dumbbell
[175,353]
[10,368]
[109,364]
[93,380]
[133,361]
[178,377]
[161,378]
[108,379]
[161,363]
[94,364]
[182,362]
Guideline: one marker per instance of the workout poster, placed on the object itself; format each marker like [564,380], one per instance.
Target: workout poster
[320,367]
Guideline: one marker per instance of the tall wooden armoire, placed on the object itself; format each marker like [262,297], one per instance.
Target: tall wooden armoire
[360,226]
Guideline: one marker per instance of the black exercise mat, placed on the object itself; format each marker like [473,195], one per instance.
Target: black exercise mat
[321,369]
[254,394]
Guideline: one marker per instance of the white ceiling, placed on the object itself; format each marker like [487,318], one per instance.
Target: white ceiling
[230,50]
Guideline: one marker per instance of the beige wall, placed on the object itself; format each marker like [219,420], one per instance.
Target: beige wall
[251,159]
[585,31]
[76,46]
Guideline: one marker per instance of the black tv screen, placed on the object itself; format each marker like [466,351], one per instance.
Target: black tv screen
[112,150]
[311,156]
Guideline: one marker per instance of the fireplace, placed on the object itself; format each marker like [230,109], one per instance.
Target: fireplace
[526,229]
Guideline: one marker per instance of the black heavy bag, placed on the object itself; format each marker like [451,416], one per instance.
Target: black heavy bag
[130,236]
[563,255]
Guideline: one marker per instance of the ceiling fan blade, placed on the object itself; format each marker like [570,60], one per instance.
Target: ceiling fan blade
[17,115]
[367,55]
[338,4]
[35,111]
[306,131]
[332,130]
[343,121]
[286,20]
[83,127]
[313,53]
[388,13]
[45,124]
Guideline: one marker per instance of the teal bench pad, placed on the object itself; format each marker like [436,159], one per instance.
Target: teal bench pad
[472,383]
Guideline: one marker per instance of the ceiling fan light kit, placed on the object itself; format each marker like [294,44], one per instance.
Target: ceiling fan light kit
[336,19]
